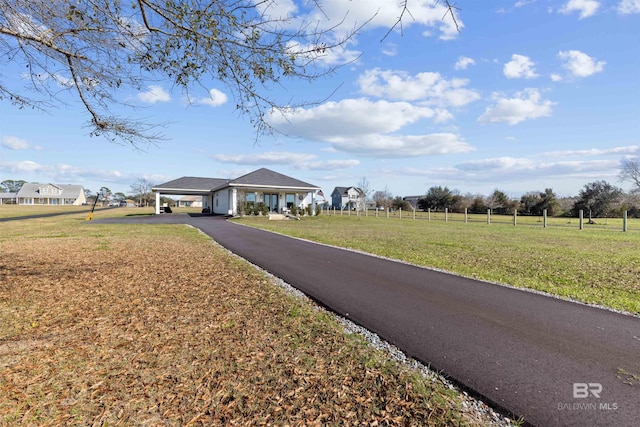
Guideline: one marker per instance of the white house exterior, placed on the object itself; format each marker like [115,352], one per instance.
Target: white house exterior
[189,202]
[51,194]
[229,196]
[349,198]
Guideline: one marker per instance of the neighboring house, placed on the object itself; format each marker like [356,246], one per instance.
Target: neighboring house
[350,198]
[51,194]
[189,202]
[225,196]
[8,198]
[413,200]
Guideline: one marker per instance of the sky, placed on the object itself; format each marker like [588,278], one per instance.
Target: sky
[526,95]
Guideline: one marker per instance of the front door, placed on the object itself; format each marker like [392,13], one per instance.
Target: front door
[271,200]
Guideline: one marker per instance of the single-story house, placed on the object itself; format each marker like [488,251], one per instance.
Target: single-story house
[349,198]
[225,196]
[189,201]
[51,194]
[8,198]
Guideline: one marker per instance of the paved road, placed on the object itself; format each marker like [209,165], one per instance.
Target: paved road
[554,362]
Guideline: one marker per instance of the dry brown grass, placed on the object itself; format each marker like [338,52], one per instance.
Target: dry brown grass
[166,328]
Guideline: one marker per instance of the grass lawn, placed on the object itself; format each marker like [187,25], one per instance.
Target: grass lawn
[595,265]
[157,325]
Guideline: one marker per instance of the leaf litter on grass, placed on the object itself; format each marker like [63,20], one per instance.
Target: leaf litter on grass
[175,331]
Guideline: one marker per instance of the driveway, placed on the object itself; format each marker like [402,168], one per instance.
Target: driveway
[554,362]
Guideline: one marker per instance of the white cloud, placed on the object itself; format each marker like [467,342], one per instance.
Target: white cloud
[524,168]
[296,160]
[330,164]
[215,99]
[390,49]
[627,7]
[15,143]
[520,66]
[349,117]
[580,64]
[268,158]
[398,146]
[524,106]
[368,128]
[429,87]
[556,77]
[586,8]
[154,94]
[627,150]
[60,172]
[344,16]
[463,63]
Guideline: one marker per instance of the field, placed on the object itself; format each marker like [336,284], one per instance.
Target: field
[596,265]
[157,325]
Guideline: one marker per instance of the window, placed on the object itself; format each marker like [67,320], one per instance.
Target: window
[250,198]
[290,200]
[45,190]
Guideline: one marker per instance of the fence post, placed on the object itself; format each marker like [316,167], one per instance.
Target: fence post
[376,212]
[466,215]
[446,214]
[489,216]
[429,214]
[515,217]
[414,213]
[387,213]
[400,210]
[624,220]
[581,215]
[544,218]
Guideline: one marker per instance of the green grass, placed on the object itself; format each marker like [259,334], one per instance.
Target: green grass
[594,265]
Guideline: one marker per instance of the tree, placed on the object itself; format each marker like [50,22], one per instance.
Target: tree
[500,203]
[383,198]
[597,199]
[437,197]
[534,203]
[630,171]
[478,205]
[399,203]
[142,191]
[365,186]
[105,195]
[11,186]
[98,50]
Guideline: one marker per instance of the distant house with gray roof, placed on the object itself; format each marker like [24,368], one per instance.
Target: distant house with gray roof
[51,194]
[228,196]
[349,198]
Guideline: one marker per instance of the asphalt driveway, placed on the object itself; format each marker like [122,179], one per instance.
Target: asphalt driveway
[554,362]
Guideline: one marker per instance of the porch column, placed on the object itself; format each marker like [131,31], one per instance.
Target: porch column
[313,203]
[234,201]
[158,203]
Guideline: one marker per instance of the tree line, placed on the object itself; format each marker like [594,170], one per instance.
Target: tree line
[595,199]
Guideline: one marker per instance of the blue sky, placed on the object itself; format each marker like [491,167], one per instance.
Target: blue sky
[528,95]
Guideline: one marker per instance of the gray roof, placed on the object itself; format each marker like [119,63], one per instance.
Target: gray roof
[66,190]
[259,178]
[267,178]
[191,184]
[343,190]
[8,195]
